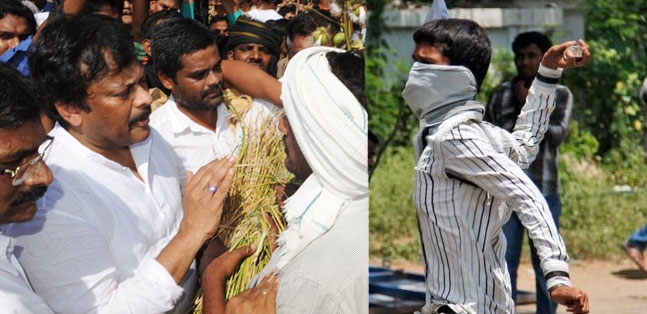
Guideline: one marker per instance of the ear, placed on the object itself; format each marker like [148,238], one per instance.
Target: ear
[230,55]
[70,113]
[146,43]
[166,81]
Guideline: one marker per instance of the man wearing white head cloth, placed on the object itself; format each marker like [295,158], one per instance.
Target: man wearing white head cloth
[322,257]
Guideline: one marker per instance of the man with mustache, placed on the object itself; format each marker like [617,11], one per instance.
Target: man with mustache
[114,234]
[24,179]
[195,121]
[255,43]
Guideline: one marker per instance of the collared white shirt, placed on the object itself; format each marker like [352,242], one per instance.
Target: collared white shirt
[196,145]
[16,295]
[468,182]
[92,246]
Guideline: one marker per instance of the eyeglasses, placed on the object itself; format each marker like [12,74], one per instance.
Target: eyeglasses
[28,168]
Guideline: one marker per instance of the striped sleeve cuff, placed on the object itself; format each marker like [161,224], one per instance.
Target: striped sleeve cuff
[548,75]
[556,273]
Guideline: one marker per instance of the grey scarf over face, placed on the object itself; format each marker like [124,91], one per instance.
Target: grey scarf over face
[434,90]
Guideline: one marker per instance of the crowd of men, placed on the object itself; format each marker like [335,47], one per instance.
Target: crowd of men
[120,122]
[119,136]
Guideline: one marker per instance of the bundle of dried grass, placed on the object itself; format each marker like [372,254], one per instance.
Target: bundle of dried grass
[251,201]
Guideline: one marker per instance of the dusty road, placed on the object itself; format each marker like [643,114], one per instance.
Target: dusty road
[614,287]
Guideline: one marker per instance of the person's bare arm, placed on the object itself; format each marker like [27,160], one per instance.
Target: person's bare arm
[215,275]
[74,7]
[252,81]
[230,6]
[140,12]
[202,213]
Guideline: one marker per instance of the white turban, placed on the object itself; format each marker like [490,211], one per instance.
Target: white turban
[330,127]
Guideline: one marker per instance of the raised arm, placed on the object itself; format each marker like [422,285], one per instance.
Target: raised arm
[532,123]
[251,80]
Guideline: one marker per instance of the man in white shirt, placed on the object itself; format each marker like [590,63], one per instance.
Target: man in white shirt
[23,179]
[195,121]
[113,234]
[469,176]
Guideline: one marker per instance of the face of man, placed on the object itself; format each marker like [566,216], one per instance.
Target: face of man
[429,54]
[220,28]
[253,54]
[127,13]
[527,60]
[197,86]
[120,106]
[295,162]
[18,147]
[299,43]
[13,30]
[161,5]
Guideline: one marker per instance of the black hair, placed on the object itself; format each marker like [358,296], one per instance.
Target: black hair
[304,23]
[218,18]
[70,54]
[348,67]
[16,8]
[290,8]
[94,6]
[463,42]
[17,101]
[177,37]
[526,39]
[150,22]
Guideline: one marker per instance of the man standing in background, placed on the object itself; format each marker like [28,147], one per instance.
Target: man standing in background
[503,108]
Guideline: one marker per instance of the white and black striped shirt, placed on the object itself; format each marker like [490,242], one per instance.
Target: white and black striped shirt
[468,179]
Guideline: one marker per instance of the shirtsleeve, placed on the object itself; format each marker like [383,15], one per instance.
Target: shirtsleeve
[532,122]
[475,161]
[83,278]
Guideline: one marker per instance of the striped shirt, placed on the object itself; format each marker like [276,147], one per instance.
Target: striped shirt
[468,179]
[502,110]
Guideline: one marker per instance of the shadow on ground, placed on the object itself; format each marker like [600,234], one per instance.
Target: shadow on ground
[632,274]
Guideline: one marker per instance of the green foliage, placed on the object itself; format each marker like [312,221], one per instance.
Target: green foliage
[389,117]
[595,218]
[580,143]
[501,69]
[393,224]
[606,90]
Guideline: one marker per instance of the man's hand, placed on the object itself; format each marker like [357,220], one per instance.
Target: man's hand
[204,196]
[556,58]
[573,298]
[214,277]
[260,299]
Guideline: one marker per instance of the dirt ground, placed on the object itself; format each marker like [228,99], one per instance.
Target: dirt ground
[614,287]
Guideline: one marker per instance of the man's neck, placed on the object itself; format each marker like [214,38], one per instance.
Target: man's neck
[120,155]
[205,118]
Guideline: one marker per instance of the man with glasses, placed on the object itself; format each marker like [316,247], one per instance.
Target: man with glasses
[23,179]
[113,233]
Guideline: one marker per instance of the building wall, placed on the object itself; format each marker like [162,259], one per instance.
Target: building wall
[502,24]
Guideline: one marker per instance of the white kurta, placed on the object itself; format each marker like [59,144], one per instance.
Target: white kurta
[196,145]
[16,295]
[91,247]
